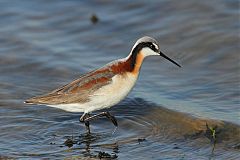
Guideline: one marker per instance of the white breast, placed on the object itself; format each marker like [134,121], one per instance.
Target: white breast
[113,93]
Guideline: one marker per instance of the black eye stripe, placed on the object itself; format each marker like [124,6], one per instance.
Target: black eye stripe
[152,46]
[138,48]
[145,44]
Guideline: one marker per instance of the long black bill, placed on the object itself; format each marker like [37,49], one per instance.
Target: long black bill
[164,56]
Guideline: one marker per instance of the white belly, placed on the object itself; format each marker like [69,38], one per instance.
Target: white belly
[106,96]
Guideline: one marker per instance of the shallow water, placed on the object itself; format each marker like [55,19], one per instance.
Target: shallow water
[45,44]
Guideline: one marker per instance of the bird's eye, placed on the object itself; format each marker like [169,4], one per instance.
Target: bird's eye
[152,47]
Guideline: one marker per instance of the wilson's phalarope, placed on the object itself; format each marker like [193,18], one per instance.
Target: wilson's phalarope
[104,87]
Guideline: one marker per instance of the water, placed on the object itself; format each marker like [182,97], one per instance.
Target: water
[45,44]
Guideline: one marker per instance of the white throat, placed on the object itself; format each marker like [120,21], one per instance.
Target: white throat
[148,52]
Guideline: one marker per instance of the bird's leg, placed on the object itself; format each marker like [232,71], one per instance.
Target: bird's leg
[107,114]
[87,124]
[112,118]
[83,119]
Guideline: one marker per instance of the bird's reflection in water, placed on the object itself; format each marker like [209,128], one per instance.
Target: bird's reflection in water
[90,145]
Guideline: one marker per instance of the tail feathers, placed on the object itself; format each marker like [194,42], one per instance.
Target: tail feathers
[33,101]
[42,100]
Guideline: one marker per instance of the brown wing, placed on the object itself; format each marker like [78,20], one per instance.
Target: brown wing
[77,91]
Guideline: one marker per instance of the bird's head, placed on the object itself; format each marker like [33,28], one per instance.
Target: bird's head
[147,46]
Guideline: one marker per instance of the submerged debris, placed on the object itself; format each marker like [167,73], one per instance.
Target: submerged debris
[94,19]
[106,155]
[69,142]
[141,140]
[175,146]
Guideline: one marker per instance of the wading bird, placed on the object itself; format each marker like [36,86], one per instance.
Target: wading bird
[103,87]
